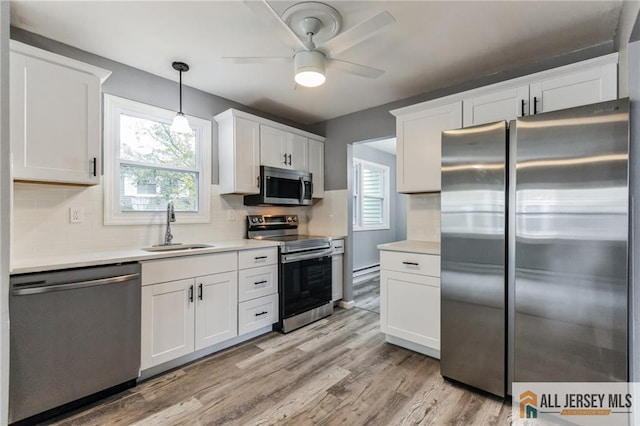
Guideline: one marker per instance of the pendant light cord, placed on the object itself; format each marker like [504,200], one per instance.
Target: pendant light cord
[181,92]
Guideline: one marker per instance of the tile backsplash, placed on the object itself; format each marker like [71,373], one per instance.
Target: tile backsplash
[423,217]
[41,225]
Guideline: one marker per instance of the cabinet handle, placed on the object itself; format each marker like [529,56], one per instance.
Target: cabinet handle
[535,105]
[258,181]
[262,313]
[411,263]
[95,167]
[191,293]
[200,291]
[289,159]
[260,282]
[260,257]
[522,107]
[285,159]
[337,247]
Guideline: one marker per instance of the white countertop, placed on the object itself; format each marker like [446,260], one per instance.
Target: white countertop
[421,247]
[132,255]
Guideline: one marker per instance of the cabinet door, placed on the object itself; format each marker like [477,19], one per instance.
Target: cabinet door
[167,321]
[500,105]
[216,309]
[410,307]
[336,277]
[578,88]
[316,167]
[298,152]
[273,145]
[418,137]
[247,158]
[55,122]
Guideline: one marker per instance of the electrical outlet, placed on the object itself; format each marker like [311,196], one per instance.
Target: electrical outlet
[75,214]
[231,215]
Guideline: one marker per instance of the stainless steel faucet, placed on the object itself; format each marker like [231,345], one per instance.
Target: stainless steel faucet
[171,217]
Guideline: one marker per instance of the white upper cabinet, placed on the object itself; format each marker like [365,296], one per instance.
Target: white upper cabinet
[55,117]
[316,167]
[246,141]
[505,104]
[238,154]
[286,150]
[419,127]
[418,136]
[575,88]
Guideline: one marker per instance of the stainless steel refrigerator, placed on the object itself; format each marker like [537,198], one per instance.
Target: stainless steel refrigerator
[534,249]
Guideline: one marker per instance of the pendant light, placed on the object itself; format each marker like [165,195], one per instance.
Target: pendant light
[180,123]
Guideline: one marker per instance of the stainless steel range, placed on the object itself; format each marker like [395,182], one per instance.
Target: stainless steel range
[304,276]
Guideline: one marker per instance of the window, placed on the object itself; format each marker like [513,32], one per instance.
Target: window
[147,165]
[370,196]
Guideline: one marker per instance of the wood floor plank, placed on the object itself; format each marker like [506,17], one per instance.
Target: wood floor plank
[338,370]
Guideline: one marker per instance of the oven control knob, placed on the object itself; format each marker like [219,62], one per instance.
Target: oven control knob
[260,220]
[295,219]
[254,219]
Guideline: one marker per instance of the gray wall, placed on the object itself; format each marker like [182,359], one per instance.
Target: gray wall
[5,202]
[377,123]
[365,252]
[138,85]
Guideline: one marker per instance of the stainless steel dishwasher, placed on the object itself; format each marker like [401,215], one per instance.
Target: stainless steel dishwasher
[75,337]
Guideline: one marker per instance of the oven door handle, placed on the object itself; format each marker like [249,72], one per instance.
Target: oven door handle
[290,258]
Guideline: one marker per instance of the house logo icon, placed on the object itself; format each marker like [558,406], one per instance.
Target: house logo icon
[528,405]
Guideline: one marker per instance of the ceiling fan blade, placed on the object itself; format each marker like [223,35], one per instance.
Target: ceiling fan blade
[264,11]
[357,34]
[257,59]
[357,69]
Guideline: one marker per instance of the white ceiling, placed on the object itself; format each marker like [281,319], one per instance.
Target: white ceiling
[385,145]
[433,44]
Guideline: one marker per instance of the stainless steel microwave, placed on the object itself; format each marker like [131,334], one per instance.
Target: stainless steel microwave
[282,187]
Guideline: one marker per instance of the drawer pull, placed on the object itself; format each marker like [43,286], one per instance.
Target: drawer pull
[411,263]
[260,257]
[337,247]
[260,282]
[262,313]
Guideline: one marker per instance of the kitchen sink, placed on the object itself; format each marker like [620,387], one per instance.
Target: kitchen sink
[176,247]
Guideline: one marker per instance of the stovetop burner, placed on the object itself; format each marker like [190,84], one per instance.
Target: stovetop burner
[283,228]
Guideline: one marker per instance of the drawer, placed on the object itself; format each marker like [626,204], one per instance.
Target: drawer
[337,246]
[413,263]
[257,313]
[257,257]
[257,282]
[177,268]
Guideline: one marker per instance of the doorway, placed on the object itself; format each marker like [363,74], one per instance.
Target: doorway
[379,215]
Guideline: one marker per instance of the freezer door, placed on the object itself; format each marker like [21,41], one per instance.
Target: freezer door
[473,256]
[571,245]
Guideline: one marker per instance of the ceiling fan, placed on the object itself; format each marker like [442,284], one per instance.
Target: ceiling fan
[312,29]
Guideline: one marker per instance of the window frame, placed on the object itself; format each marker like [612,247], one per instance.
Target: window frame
[359,196]
[113,215]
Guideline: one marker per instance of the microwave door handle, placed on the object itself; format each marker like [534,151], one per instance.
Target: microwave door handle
[302,190]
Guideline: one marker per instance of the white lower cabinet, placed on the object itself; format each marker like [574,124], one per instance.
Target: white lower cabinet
[257,313]
[216,302]
[187,313]
[167,322]
[410,301]
[337,263]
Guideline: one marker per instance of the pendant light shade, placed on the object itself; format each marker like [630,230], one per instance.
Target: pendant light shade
[310,68]
[180,123]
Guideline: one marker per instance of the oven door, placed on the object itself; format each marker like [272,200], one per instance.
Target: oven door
[305,281]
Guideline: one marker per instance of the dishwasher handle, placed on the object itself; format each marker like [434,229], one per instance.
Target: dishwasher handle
[73,286]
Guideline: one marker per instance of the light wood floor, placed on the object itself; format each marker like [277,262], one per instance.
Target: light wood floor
[366,295]
[338,370]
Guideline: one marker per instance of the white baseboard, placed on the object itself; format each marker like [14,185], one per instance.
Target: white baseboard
[370,273]
[347,305]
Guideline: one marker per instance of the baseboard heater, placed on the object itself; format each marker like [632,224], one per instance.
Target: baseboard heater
[365,273]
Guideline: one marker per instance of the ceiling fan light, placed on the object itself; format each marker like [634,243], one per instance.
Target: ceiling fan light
[180,124]
[310,68]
